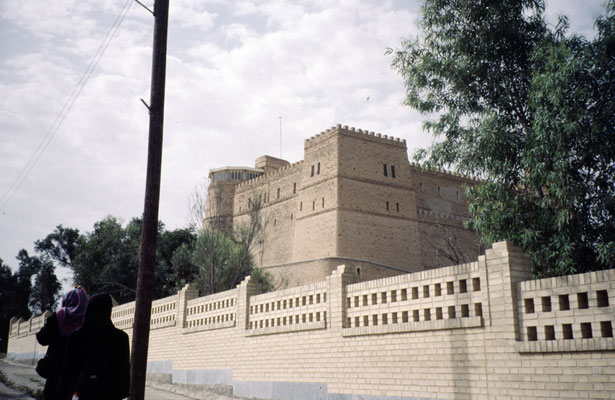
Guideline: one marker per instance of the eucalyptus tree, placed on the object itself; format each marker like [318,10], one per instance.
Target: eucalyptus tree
[529,109]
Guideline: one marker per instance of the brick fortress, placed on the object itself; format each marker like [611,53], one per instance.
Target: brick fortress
[354,199]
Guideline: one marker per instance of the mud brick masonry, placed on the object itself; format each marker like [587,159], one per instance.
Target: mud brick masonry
[479,330]
[354,199]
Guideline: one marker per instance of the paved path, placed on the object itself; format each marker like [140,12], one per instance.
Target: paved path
[24,379]
[9,393]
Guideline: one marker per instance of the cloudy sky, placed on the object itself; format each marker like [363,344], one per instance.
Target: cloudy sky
[234,67]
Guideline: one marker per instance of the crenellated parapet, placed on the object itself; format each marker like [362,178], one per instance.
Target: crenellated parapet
[355,132]
[275,174]
[421,168]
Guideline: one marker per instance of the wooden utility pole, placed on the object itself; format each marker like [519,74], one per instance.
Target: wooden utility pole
[147,256]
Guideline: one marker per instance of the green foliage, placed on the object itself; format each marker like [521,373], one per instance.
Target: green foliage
[264,278]
[107,259]
[28,267]
[46,290]
[8,304]
[169,279]
[60,245]
[221,260]
[529,110]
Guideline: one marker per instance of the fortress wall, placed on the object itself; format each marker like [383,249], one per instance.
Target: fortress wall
[316,223]
[342,181]
[445,242]
[377,218]
[220,203]
[450,200]
[311,271]
[441,208]
[279,213]
[379,238]
[279,232]
[460,332]
[315,231]
[362,156]
[373,198]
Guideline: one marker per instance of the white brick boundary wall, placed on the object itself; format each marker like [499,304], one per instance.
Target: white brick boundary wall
[481,330]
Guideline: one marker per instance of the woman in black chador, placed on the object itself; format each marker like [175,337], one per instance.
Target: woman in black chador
[55,334]
[98,355]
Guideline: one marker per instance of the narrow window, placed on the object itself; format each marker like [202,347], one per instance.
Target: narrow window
[318,172]
[291,217]
[278,193]
[439,191]
[386,172]
[387,205]
[295,188]
[301,206]
[312,170]
[457,194]
[397,205]
[313,205]
[392,171]
[323,202]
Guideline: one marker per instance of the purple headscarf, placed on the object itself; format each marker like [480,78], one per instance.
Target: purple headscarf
[70,316]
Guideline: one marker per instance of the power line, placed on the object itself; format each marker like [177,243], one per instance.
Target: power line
[66,108]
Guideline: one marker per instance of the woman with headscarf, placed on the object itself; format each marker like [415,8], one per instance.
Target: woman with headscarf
[98,356]
[55,335]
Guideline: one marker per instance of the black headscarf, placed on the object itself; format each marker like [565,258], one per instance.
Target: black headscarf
[98,313]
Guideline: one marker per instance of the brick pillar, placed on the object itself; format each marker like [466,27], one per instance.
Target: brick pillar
[19,321]
[245,290]
[187,293]
[506,265]
[337,282]
[14,322]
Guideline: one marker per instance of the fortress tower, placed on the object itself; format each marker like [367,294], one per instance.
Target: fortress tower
[355,200]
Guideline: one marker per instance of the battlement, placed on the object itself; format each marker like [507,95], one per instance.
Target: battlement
[275,173]
[425,169]
[355,132]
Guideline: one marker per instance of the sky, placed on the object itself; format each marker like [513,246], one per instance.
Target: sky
[233,69]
